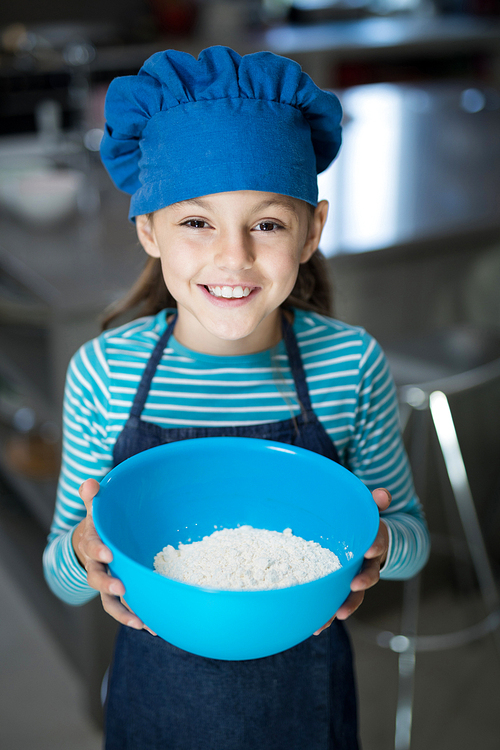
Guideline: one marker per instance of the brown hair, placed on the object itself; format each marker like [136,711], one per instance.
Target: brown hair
[149,295]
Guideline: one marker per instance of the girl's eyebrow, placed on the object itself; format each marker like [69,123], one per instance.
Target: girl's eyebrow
[192,201]
[284,202]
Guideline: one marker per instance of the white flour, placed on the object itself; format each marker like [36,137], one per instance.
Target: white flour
[246,558]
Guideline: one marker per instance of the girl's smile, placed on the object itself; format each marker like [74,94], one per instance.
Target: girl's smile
[230,260]
[229,292]
[224,295]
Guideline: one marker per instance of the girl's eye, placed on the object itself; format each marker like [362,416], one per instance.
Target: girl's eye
[195,223]
[267,226]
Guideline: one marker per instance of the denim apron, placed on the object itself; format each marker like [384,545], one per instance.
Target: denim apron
[163,698]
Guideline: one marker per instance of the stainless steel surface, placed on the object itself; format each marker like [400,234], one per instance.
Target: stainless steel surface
[457,474]
[417,163]
[406,648]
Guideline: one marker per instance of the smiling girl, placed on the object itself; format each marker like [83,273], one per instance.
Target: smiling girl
[221,156]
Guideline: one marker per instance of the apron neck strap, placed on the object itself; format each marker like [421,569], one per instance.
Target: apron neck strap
[151,367]
[296,366]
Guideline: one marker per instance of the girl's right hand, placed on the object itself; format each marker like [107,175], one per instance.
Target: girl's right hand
[94,557]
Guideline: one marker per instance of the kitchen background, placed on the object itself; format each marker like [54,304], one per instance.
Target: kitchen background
[413,241]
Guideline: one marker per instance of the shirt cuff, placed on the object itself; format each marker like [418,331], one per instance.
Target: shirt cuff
[64,574]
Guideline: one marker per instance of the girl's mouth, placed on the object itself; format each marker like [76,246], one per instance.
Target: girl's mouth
[229,292]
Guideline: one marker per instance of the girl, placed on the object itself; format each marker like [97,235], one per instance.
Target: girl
[221,156]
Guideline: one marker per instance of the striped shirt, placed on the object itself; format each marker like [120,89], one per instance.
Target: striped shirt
[351,390]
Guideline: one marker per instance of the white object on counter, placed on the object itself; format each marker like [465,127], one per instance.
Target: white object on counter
[40,194]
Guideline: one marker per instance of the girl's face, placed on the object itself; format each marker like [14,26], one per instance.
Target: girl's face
[230,260]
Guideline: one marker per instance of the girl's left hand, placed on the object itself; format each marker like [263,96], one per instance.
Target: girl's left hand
[370,572]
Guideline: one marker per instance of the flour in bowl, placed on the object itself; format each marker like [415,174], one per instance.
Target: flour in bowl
[247,558]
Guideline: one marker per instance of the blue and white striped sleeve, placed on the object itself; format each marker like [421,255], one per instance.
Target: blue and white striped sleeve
[86,454]
[378,457]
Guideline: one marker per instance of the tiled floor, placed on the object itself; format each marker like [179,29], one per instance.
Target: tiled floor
[457,697]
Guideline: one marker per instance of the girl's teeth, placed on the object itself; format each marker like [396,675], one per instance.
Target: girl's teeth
[229,292]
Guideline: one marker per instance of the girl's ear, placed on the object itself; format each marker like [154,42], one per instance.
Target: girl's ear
[316,225]
[146,234]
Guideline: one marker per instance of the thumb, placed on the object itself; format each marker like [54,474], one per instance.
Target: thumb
[87,491]
[382,497]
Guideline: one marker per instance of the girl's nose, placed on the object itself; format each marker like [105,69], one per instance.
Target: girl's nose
[234,252]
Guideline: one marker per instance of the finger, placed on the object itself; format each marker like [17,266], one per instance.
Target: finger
[94,546]
[368,577]
[145,627]
[381,543]
[95,549]
[382,497]
[98,578]
[317,632]
[113,606]
[350,605]
[87,491]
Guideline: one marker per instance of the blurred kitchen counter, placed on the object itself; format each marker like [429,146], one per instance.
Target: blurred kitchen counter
[62,278]
[321,47]
[318,47]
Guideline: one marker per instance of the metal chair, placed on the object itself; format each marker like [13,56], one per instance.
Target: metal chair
[428,371]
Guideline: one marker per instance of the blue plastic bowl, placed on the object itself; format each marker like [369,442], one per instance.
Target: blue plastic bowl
[184,491]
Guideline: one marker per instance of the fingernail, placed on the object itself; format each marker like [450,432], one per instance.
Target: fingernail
[116,589]
[382,489]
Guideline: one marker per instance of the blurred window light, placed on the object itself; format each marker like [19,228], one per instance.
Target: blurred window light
[363,187]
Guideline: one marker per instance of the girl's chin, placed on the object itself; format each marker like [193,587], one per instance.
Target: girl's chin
[235,337]
[238,330]
[230,333]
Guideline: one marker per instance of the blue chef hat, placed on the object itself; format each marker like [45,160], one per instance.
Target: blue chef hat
[183,128]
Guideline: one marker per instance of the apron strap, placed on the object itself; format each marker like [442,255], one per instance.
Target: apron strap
[296,366]
[149,372]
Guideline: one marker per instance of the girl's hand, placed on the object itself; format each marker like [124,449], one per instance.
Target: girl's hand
[370,572]
[94,556]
